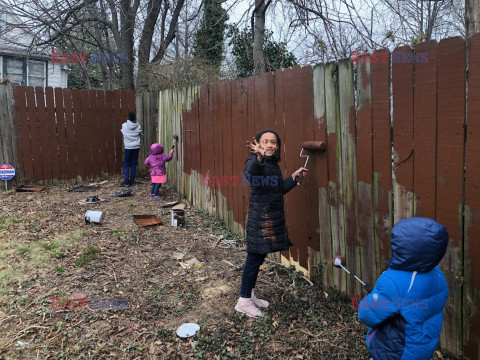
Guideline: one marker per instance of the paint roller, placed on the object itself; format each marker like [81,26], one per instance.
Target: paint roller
[310,146]
[339,262]
[175,138]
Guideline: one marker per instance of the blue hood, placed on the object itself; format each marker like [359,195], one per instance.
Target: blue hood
[418,244]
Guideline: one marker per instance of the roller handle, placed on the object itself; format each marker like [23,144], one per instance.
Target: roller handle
[300,178]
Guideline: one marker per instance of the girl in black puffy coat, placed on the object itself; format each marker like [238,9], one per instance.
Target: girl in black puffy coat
[266,231]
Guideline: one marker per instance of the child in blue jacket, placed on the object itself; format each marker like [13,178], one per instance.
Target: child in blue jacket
[405,309]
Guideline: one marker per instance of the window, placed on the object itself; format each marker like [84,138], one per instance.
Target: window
[14,71]
[36,73]
[3,21]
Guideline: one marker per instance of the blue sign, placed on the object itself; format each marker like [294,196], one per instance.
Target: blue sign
[7,172]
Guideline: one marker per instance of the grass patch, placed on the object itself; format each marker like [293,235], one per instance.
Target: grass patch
[59,268]
[49,246]
[85,257]
[17,221]
[57,255]
[23,251]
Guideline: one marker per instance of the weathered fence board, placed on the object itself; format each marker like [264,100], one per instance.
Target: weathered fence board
[470,276]
[403,145]
[320,175]
[450,162]
[364,159]
[382,174]
[425,129]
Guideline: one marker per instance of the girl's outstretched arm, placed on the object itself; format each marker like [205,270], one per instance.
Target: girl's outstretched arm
[169,156]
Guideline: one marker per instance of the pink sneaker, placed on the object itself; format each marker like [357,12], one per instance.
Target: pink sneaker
[247,307]
[156,197]
[259,303]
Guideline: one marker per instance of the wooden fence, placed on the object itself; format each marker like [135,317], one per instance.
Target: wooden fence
[402,141]
[62,134]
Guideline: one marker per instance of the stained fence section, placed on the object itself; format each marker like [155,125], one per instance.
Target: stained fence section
[63,134]
[402,141]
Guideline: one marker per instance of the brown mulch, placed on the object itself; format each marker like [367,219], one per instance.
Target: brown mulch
[168,275]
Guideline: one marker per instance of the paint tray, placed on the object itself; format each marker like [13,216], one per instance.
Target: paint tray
[29,188]
[147,220]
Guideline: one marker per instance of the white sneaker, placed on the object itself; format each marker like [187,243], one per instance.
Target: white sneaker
[259,303]
[247,307]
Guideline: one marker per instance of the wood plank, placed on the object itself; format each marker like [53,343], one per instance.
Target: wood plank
[425,128]
[13,139]
[243,151]
[450,142]
[110,124]
[382,159]
[70,134]
[43,134]
[319,175]
[403,150]
[364,158]
[3,122]
[33,130]
[52,134]
[279,123]
[23,140]
[61,133]
[4,158]
[335,175]
[80,134]
[86,139]
[143,147]
[471,248]
[95,133]
[104,132]
[229,151]
[210,147]
[118,120]
[295,215]
[237,162]
[311,193]
[348,131]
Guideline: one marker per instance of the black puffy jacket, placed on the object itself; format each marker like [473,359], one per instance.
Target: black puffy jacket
[266,231]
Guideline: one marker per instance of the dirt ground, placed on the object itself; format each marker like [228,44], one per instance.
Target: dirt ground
[49,255]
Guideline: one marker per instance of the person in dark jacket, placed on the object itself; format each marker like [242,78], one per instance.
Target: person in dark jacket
[266,231]
[405,309]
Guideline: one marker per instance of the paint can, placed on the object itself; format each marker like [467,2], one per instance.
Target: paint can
[95,217]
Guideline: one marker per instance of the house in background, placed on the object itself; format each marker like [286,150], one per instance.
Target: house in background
[21,64]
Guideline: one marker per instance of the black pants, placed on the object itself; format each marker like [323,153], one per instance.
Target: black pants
[130,162]
[250,273]
[155,188]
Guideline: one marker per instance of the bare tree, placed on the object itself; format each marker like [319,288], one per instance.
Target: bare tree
[108,25]
[472,16]
[337,27]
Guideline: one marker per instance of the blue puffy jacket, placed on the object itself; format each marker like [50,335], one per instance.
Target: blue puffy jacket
[405,309]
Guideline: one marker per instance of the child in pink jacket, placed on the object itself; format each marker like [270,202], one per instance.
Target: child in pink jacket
[156,162]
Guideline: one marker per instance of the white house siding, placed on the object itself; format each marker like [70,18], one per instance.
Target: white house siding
[57,77]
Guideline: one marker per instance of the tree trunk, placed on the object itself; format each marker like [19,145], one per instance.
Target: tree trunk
[472,17]
[259,36]
[127,23]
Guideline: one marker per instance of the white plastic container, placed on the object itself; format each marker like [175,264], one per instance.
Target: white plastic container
[95,217]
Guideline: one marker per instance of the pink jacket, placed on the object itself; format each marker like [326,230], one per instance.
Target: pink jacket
[156,160]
